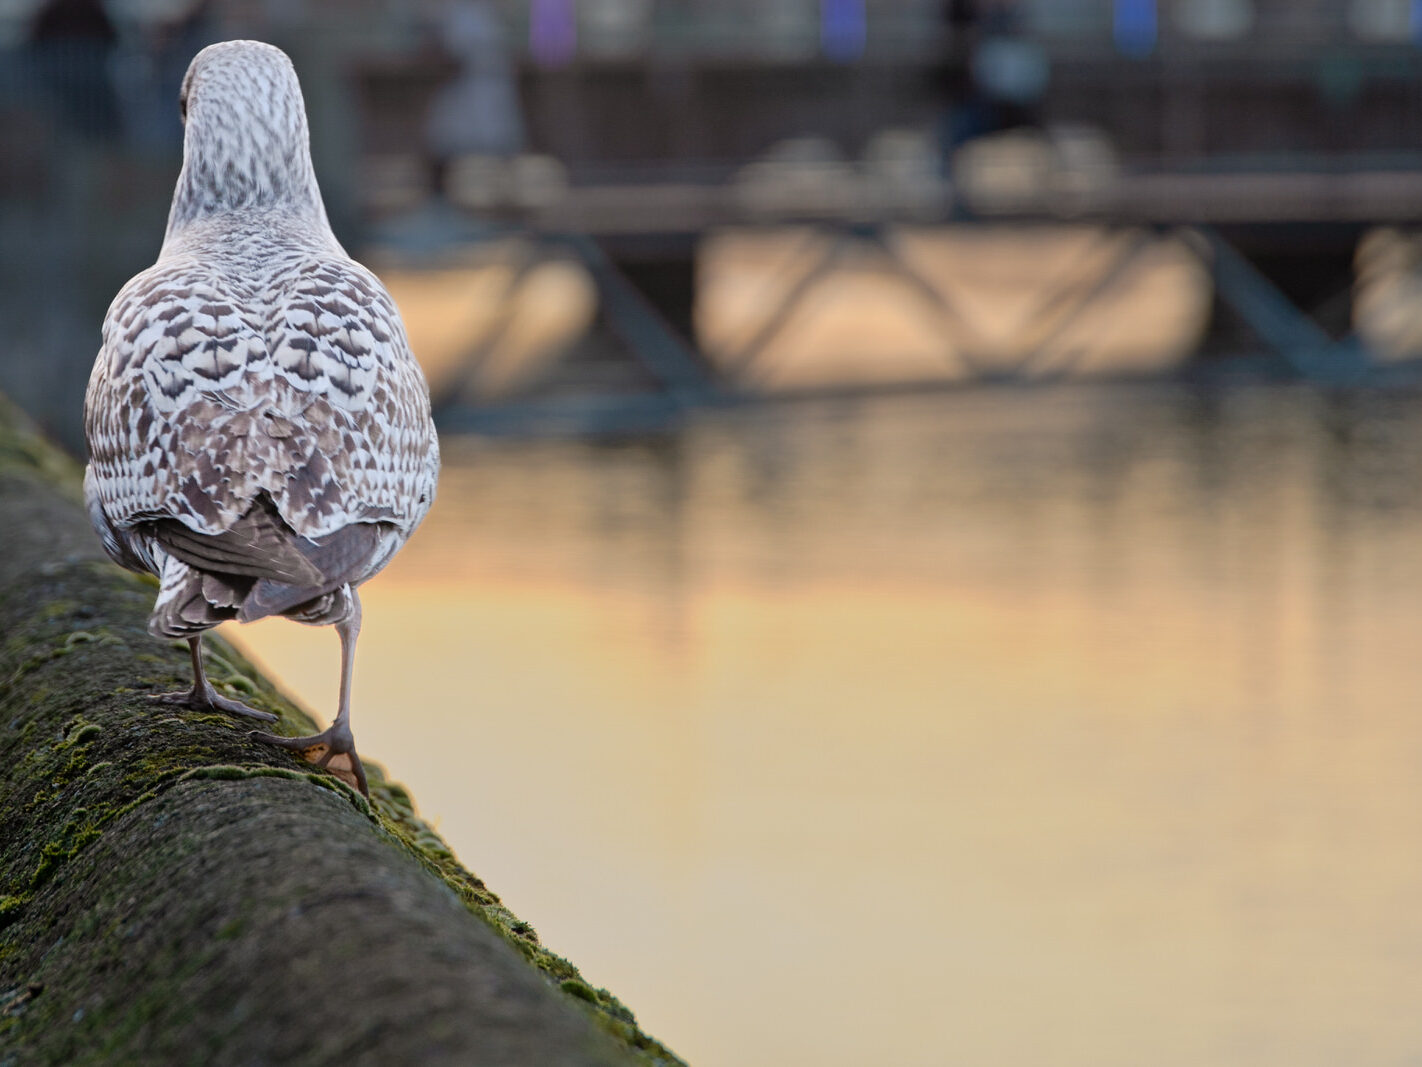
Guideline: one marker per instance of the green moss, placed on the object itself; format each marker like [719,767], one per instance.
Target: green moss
[58,608]
[576,988]
[85,733]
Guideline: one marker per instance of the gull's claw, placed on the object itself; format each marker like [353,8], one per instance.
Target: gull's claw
[196,699]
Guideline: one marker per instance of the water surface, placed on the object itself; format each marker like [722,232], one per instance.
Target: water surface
[1068,726]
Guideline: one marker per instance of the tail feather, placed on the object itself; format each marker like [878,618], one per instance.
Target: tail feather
[269,597]
[260,567]
[322,609]
[190,601]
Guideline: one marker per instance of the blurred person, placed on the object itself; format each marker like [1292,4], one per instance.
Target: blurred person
[478,112]
[69,48]
[1000,84]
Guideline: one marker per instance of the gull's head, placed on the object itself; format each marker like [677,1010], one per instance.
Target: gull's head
[246,144]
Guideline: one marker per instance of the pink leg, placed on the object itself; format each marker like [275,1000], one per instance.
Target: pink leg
[336,738]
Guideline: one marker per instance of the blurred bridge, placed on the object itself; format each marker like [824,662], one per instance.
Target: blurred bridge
[709,185]
[1263,140]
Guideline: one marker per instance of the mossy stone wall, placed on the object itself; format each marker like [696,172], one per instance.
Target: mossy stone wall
[171,892]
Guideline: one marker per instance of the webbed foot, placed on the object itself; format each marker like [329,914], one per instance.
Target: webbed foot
[337,752]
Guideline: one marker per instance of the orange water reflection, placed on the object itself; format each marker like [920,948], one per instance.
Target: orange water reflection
[1070,727]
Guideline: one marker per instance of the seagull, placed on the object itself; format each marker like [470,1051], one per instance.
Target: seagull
[259,433]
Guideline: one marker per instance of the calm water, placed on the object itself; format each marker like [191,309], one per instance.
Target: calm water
[1002,727]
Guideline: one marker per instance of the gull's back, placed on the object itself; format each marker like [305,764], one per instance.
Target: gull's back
[259,431]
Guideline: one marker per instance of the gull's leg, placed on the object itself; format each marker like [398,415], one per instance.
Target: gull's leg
[202,697]
[336,739]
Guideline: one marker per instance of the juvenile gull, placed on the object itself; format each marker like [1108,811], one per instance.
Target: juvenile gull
[259,433]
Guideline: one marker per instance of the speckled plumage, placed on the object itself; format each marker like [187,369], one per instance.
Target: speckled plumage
[254,357]
[259,432]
